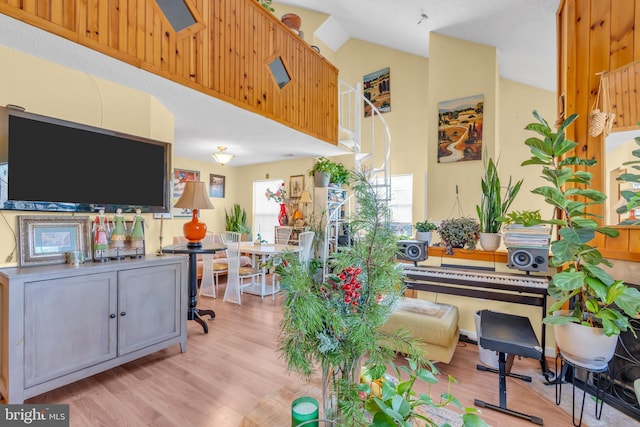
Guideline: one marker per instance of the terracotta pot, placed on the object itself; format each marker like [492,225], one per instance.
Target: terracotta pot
[292,21]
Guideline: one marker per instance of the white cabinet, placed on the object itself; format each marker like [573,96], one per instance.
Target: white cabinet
[63,323]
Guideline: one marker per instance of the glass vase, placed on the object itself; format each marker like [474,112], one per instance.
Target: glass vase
[283,218]
[337,384]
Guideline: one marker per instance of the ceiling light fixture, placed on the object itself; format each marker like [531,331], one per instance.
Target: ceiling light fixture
[222,156]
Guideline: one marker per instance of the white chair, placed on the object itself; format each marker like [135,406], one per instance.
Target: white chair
[230,237]
[211,271]
[236,275]
[283,234]
[305,242]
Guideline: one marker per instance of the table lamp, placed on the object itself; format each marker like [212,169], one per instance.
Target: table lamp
[194,197]
[304,199]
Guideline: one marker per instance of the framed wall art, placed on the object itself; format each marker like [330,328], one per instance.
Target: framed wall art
[46,239]
[296,186]
[460,129]
[216,186]
[180,176]
[377,89]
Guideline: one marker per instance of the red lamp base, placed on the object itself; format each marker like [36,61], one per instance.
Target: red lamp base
[195,230]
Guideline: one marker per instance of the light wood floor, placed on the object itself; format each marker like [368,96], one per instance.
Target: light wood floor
[223,373]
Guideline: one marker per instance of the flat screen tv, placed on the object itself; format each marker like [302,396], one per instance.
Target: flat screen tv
[48,164]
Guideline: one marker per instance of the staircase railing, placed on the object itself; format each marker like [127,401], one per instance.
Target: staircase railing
[377,148]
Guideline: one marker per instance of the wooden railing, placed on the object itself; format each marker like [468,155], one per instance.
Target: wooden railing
[226,54]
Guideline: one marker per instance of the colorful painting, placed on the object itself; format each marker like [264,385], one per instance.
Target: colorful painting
[180,176]
[377,89]
[460,129]
[216,186]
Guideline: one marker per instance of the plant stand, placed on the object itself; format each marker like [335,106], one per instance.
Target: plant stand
[563,362]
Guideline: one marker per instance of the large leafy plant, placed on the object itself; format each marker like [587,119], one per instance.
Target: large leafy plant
[600,300]
[493,205]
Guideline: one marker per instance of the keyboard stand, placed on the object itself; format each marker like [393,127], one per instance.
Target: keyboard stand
[507,333]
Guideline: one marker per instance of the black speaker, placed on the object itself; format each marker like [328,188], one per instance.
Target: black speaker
[528,259]
[412,250]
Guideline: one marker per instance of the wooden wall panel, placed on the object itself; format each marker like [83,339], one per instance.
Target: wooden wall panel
[596,36]
[226,55]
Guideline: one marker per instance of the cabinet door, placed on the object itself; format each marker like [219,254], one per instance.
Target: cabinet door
[148,306]
[68,325]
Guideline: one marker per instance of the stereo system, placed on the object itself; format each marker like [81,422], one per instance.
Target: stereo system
[528,259]
[413,250]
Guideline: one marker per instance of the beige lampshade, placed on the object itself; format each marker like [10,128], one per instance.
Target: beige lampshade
[194,196]
[305,197]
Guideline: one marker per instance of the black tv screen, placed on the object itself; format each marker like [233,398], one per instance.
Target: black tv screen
[48,164]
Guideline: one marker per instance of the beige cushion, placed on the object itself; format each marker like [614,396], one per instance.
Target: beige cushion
[434,324]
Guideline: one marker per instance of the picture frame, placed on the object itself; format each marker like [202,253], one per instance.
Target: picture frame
[216,186]
[377,90]
[296,186]
[126,251]
[180,176]
[46,239]
[460,129]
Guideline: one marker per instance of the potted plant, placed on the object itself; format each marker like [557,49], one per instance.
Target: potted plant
[236,220]
[266,4]
[424,230]
[493,205]
[325,171]
[458,233]
[321,172]
[601,305]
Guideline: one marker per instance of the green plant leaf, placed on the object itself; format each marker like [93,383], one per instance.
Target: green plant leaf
[629,301]
[535,161]
[559,320]
[590,194]
[553,196]
[569,281]
[473,420]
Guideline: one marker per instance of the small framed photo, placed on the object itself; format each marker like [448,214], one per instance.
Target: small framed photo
[46,239]
[216,186]
[296,186]
[180,176]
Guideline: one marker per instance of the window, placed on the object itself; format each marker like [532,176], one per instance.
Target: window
[401,204]
[265,211]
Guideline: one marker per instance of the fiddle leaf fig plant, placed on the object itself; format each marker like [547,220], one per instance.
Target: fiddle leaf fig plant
[600,301]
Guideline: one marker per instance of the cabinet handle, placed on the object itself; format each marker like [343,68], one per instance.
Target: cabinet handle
[124,313]
[112,316]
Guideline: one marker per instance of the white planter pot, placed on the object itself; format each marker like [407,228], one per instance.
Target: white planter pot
[423,236]
[583,345]
[490,241]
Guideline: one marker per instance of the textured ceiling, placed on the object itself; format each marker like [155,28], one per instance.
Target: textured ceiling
[523,32]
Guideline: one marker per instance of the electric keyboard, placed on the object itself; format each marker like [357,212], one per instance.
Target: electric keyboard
[486,284]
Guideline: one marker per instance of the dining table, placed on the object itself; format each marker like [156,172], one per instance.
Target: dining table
[259,255]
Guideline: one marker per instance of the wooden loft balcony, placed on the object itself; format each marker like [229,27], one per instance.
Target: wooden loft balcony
[225,54]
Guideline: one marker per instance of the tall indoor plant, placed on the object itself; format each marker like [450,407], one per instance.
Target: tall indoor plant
[493,205]
[631,197]
[599,302]
[335,324]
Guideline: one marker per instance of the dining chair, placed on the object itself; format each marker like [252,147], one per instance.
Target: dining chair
[237,276]
[305,241]
[283,234]
[211,270]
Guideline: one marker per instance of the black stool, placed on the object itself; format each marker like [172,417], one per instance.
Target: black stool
[564,361]
[508,333]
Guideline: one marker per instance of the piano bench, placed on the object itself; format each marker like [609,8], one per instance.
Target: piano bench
[435,324]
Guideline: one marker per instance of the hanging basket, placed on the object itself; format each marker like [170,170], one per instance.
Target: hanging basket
[600,117]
